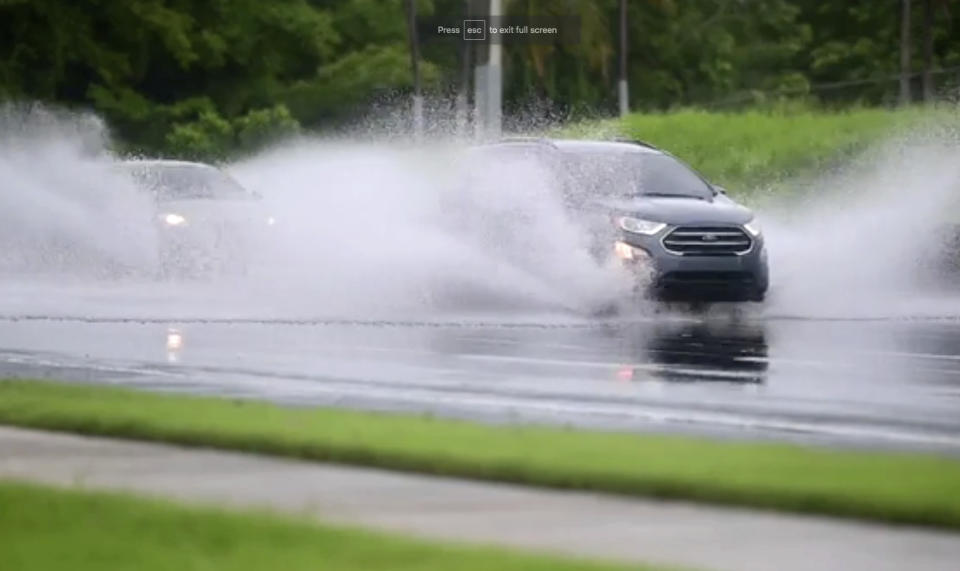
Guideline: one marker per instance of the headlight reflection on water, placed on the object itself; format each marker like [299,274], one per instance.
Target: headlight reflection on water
[174,344]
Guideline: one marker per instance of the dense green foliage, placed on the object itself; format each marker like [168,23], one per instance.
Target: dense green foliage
[200,77]
[46,529]
[909,488]
[203,77]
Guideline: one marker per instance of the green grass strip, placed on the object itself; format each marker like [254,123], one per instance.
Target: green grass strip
[48,529]
[745,150]
[890,487]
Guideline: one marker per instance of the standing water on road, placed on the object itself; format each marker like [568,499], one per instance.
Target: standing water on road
[389,283]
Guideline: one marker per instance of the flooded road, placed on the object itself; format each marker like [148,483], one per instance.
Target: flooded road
[865,382]
[393,281]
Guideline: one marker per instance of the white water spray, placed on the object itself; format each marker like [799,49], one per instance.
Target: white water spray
[62,208]
[869,241]
[393,231]
[371,229]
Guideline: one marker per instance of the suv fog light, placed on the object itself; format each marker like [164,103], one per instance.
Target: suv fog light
[628,253]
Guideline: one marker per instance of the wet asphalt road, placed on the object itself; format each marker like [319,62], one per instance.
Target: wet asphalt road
[891,383]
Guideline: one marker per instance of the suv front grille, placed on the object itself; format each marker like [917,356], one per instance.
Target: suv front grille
[707,241]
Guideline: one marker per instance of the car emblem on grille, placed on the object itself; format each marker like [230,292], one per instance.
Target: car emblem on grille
[710,237]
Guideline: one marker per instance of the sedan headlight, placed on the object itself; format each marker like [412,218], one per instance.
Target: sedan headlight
[639,225]
[173,219]
[753,227]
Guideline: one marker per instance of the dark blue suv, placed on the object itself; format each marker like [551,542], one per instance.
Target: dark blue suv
[682,237]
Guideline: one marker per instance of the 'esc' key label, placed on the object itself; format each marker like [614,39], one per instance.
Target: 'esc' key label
[475,30]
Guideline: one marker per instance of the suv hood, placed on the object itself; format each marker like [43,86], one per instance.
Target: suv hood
[675,211]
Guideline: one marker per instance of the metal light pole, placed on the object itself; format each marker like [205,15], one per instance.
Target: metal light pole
[462,109]
[928,51]
[905,52]
[411,7]
[495,82]
[623,94]
[488,82]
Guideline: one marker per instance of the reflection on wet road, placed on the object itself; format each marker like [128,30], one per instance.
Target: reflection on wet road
[701,352]
[867,383]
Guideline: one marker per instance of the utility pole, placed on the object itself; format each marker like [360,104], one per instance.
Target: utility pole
[905,52]
[623,93]
[411,6]
[928,51]
[495,71]
[488,81]
[462,109]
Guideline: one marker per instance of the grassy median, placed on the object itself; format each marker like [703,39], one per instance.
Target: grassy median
[750,150]
[48,529]
[904,488]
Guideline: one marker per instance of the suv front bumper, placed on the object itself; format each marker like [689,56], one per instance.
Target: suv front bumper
[668,276]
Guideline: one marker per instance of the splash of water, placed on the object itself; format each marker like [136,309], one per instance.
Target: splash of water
[386,230]
[376,228]
[62,209]
[869,240]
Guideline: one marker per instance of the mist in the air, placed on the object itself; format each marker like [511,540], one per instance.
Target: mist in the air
[386,228]
[873,238]
[63,210]
[398,229]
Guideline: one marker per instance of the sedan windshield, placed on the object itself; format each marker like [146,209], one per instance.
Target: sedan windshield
[187,181]
[629,175]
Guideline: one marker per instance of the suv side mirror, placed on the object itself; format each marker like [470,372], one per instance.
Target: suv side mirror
[719,189]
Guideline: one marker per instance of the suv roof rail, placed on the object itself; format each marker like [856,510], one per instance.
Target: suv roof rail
[533,140]
[633,141]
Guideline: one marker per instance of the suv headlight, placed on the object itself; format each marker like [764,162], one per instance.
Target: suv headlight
[753,227]
[639,225]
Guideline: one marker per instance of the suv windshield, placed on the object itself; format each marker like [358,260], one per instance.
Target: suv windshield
[186,181]
[496,156]
[628,175]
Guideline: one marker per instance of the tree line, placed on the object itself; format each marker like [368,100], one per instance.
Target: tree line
[209,77]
